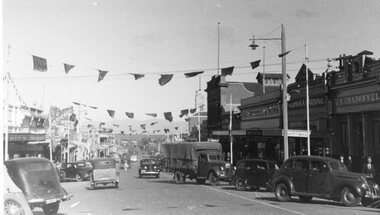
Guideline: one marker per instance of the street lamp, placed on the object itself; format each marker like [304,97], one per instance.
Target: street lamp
[285,88]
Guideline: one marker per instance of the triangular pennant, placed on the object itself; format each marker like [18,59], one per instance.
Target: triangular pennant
[68,67]
[143,126]
[101,74]
[153,123]
[39,63]
[283,54]
[176,128]
[76,103]
[165,79]
[192,74]
[129,115]
[89,125]
[111,113]
[116,125]
[101,124]
[122,132]
[227,71]
[168,116]
[152,114]
[138,76]
[184,112]
[255,64]
[193,110]
[93,107]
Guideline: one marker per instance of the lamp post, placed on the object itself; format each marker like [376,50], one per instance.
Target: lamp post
[284,83]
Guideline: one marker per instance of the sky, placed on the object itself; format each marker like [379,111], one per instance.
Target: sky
[168,37]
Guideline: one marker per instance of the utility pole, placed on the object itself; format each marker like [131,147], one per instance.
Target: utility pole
[231,136]
[284,94]
[307,101]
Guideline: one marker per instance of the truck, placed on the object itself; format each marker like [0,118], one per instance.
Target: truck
[196,160]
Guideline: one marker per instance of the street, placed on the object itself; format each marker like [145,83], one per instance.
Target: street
[162,196]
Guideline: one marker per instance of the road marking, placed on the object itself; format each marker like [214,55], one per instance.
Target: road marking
[252,200]
[75,204]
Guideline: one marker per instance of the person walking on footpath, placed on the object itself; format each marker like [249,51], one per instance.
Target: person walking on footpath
[348,163]
[369,168]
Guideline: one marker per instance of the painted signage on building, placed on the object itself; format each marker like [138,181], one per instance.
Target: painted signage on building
[358,99]
[263,112]
[302,103]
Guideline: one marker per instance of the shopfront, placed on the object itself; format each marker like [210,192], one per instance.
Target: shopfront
[355,107]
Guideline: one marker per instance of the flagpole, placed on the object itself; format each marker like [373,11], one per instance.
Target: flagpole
[230,128]
[51,138]
[263,70]
[218,46]
[307,101]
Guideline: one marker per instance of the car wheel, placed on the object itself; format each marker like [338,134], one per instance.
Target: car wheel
[92,186]
[179,179]
[11,206]
[240,184]
[51,209]
[213,179]
[116,184]
[200,181]
[349,197]
[62,176]
[158,176]
[305,198]
[282,192]
[78,177]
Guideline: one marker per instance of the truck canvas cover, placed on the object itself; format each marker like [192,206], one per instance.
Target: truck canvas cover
[185,155]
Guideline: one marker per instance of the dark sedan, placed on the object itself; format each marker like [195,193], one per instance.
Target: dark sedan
[79,171]
[149,167]
[253,173]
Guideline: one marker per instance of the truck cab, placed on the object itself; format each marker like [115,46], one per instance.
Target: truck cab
[212,167]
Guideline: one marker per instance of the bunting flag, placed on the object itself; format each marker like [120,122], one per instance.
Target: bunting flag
[130,115]
[283,54]
[153,123]
[88,119]
[165,79]
[166,130]
[68,67]
[102,74]
[76,103]
[152,114]
[138,76]
[111,113]
[156,131]
[143,126]
[168,116]
[39,63]
[255,64]
[227,71]
[116,125]
[184,112]
[193,74]
[176,128]
[93,107]
[130,127]
[122,132]
[193,110]
[89,125]
[101,124]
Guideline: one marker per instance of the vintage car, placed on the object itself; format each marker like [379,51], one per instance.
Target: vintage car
[78,170]
[104,172]
[149,167]
[322,177]
[14,200]
[38,180]
[253,173]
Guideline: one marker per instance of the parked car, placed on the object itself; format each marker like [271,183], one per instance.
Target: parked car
[253,173]
[14,200]
[149,167]
[39,182]
[134,158]
[78,170]
[322,177]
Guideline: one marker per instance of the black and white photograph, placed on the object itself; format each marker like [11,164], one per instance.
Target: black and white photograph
[119,107]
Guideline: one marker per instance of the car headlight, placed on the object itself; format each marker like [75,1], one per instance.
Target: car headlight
[222,168]
[154,167]
[145,167]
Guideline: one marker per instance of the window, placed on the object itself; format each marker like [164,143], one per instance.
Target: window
[241,165]
[288,165]
[300,164]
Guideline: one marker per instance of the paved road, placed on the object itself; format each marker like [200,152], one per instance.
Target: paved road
[163,196]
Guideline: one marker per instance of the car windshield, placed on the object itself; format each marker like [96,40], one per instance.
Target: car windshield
[147,162]
[214,157]
[337,165]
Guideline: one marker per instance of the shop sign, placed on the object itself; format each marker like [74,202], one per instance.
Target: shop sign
[297,133]
[259,113]
[358,99]
[302,103]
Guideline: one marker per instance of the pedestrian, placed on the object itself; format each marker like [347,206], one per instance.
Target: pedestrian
[349,163]
[341,158]
[369,168]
